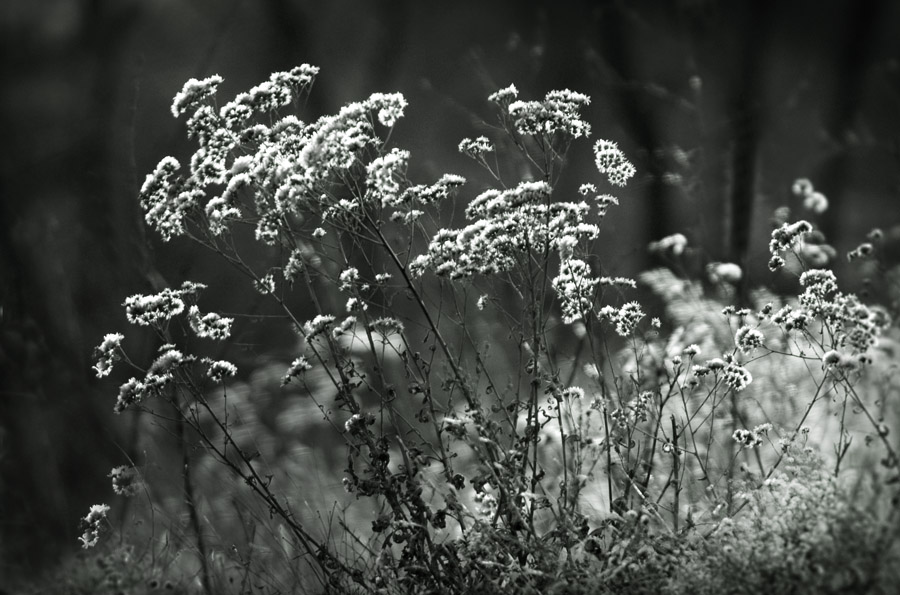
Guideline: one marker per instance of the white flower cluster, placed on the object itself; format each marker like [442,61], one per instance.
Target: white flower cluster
[160,374]
[126,481]
[575,288]
[93,525]
[850,321]
[506,223]
[736,376]
[751,438]
[297,368]
[785,238]
[382,175]
[108,353]
[218,370]
[625,318]
[386,326]
[317,325]
[612,162]
[748,339]
[153,310]
[283,167]
[557,113]
[209,326]
[476,147]
[194,93]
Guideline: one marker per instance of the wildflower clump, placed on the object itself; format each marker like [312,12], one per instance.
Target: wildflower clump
[561,443]
[93,525]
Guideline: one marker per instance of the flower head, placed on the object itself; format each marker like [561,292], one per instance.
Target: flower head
[612,162]
[108,353]
[93,525]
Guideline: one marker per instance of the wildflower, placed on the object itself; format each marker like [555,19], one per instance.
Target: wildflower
[357,423]
[819,282]
[389,106]
[164,201]
[386,326]
[557,113]
[655,323]
[318,232]
[611,161]
[475,148]
[296,369]
[492,203]
[715,363]
[265,285]
[317,325]
[348,278]
[573,392]
[504,96]
[737,376]
[746,438]
[343,327]
[786,236]
[193,92]
[875,235]
[627,318]
[108,353]
[92,523]
[163,368]
[699,370]
[147,310]
[775,263]
[382,177]
[747,339]
[125,481]
[218,370]
[603,203]
[355,303]
[575,288]
[382,278]
[586,189]
[130,393]
[209,326]
[692,350]
[482,302]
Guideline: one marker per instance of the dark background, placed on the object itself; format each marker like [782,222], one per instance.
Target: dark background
[720,105]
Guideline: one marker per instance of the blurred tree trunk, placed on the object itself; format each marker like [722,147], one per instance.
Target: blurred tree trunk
[66,257]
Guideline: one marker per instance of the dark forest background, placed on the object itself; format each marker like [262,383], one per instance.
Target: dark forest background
[720,105]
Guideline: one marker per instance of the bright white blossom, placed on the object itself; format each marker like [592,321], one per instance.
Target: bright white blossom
[747,339]
[147,310]
[209,326]
[612,162]
[575,288]
[296,369]
[218,370]
[93,524]
[108,353]
[126,481]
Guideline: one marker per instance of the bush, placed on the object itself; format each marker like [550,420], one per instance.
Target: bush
[513,422]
